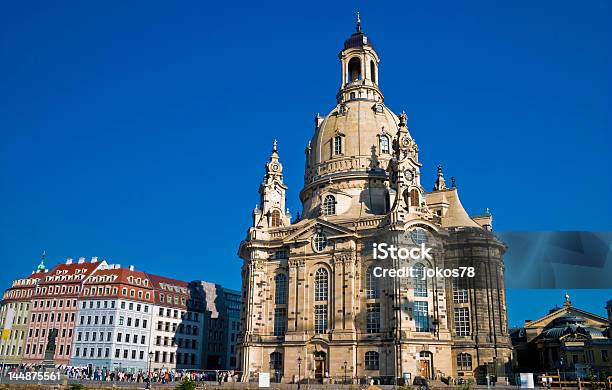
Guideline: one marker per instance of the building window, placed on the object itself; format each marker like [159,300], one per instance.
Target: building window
[604,356]
[373,318]
[280,293]
[320,242]
[420,283]
[464,362]
[371,284]
[320,318]
[338,145]
[321,284]
[384,144]
[276,361]
[460,291]
[372,71]
[421,316]
[280,319]
[371,360]
[276,218]
[419,236]
[329,205]
[462,321]
[414,197]
[281,254]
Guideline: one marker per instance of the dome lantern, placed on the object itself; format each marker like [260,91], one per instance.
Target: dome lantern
[359,69]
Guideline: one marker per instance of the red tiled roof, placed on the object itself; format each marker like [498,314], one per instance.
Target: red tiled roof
[70,269]
[122,276]
[157,280]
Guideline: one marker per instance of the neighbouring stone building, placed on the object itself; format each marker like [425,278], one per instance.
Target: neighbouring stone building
[312,305]
[567,340]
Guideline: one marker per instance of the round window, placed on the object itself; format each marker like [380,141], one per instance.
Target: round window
[419,236]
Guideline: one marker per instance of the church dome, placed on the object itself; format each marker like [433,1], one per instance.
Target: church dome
[349,156]
[356,134]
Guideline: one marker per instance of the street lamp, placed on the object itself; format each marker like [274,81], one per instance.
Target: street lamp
[299,361]
[149,371]
[345,364]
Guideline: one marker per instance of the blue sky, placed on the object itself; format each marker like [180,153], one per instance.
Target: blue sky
[138,131]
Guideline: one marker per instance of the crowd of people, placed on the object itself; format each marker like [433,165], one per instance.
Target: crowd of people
[119,375]
[157,376]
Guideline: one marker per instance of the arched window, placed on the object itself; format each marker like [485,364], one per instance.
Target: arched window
[321,295]
[464,362]
[372,71]
[280,292]
[276,218]
[276,361]
[384,144]
[371,360]
[329,205]
[371,284]
[420,283]
[354,69]
[321,284]
[337,145]
[414,197]
[319,242]
[419,236]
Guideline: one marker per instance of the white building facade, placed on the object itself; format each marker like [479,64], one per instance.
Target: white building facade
[113,322]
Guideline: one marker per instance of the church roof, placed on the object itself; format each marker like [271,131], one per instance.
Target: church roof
[455,216]
[358,38]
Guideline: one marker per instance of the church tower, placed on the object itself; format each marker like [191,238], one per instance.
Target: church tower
[271,211]
[314,306]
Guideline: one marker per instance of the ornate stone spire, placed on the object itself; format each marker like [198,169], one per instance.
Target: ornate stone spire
[274,167]
[358,22]
[440,183]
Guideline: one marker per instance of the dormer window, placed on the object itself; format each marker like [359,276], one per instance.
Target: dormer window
[337,145]
[384,144]
[329,205]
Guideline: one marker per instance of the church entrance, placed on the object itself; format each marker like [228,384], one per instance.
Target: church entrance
[320,358]
[425,364]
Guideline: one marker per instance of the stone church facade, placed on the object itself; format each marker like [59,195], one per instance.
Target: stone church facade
[312,304]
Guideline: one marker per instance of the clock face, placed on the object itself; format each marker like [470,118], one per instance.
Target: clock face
[405,140]
[275,196]
[408,174]
[275,167]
